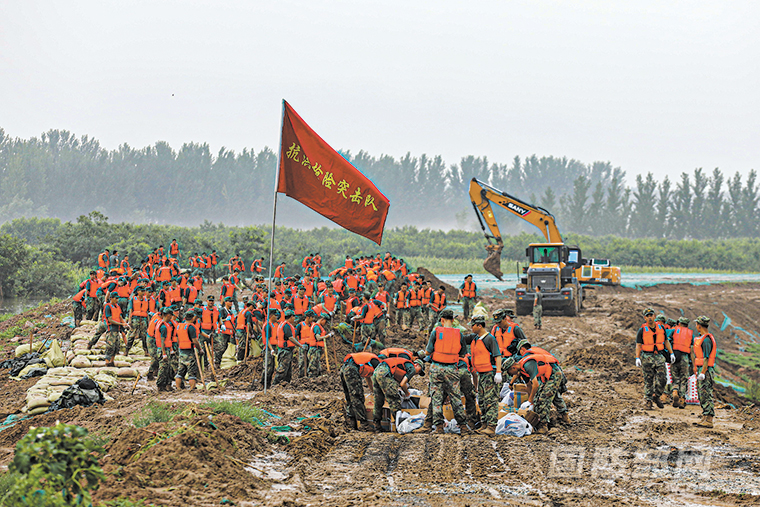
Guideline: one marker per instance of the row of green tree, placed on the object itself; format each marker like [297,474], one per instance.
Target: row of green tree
[64,176]
[47,257]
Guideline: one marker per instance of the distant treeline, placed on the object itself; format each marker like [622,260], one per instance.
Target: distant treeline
[47,256]
[61,175]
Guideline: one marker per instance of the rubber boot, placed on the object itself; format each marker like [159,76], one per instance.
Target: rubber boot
[658,402]
[676,399]
[681,403]
[192,384]
[706,422]
[426,427]
[178,383]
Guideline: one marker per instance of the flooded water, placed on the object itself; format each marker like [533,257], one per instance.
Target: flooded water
[18,305]
[628,280]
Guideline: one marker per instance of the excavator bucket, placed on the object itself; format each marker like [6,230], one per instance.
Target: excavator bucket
[492,264]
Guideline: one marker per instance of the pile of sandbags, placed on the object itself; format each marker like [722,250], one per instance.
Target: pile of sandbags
[81,357]
[49,387]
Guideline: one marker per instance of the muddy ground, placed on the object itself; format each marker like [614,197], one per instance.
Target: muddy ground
[614,453]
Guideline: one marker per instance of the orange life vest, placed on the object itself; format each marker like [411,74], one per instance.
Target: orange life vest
[209,318]
[682,338]
[152,325]
[364,362]
[115,314]
[544,362]
[447,345]
[389,275]
[469,290]
[281,341]
[140,307]
[439,301]
[699,358]
[320,343]
[397,352]
[401,299]
[240,320]
[79,296]
[300,305]
[352,282]
[504,338]
[415,298]
[278,272]
[329,302]
[425,296]
[372,312]
[173,249]
[164,274]
[396,365]
[94,285]
[481,358]
[653,339]
[169,334]
[307,334]
[183,338]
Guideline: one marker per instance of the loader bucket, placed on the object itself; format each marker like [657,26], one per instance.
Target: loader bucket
[492,264]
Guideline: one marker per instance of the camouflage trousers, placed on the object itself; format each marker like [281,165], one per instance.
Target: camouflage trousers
[93,306]
[187,365]
[113,340]
[424,317]
[415,314]
[488,398]
[468,391]
[550,392]
[385,389]
[220,347]
[402,316]
[241,336]
[353,391]
[368,333]
[211,342]
[155,356]
[100,329]
[467,305]
[303,362]
[165,371]
[538,312]
[653,367]
[78,312]
[138,329]
[444,381]
[380,326]
[315,361]
[705,392]
[284,371]
[269,371]
[680,373]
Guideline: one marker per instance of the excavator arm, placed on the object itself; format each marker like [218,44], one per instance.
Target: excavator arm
[482,195]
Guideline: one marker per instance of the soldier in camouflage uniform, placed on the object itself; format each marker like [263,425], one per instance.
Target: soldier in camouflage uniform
[164,337]
[138,324]
[704,352]
[650,341]
[315,353]
[682,341]
[115,326]
[485,356]
[446,349]
[357,366]
[468,391]
[285,353]
[386,382]
[100,329]
[154,352]
[545,387]
[186,363]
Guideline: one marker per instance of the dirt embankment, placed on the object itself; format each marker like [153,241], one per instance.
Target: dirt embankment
[614,453]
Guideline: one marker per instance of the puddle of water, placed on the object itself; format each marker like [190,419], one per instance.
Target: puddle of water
[270,467]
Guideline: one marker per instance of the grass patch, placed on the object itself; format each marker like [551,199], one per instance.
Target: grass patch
[242,410]
[6,316]
[752,361]
[11,332]
[154,411]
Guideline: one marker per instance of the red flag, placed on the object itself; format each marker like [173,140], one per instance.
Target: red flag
[319,177]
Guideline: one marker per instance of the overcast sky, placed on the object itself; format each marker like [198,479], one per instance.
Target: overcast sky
[648,85]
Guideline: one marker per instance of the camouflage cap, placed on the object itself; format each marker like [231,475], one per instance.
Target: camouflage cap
[507,363]
[684,321]
[479,320]
[648,311]
[660,318]
[447,314]
[523,343]
[703,320]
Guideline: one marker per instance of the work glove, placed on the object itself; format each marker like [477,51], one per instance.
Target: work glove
[526,406]
[638,362]
[701,376]
[672,358]
[497,377]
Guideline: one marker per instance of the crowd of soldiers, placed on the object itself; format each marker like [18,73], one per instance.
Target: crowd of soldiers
[660,341]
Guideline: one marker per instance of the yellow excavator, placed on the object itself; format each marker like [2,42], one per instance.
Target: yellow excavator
[557,268]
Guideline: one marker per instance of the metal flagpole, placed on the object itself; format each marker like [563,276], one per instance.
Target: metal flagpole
[271,248]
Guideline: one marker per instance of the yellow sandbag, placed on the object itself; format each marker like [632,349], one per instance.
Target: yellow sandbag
[37,402]
[126,372]
[254,348]
[28,368]
[122,364]
[24,349]
[228,359]
[81,362]
[61,381]
[55,355]
[108,370]
[82,352]
[39,410]
[53,396]
[58,372]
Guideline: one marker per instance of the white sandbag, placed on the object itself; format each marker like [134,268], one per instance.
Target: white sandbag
[96,357]
[105,380]
[126,372]
[480,310]
[39,410]
[58,372]
[451,426]
[53,396]
[70,356]
[122,364]
[108,370]
[84,352]
[24,349]
[61,381]
[514,425]
[98,364]
[87,322]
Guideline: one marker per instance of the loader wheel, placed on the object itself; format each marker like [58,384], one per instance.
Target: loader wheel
[572,307]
